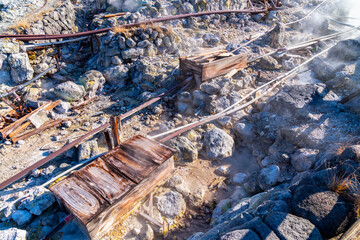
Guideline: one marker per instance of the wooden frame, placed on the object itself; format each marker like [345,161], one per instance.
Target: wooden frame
[105,192]
[211,64]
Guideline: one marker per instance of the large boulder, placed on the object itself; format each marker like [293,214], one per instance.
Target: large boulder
[304,159]
[347,50]
[324,71]
[93,81]
[288,226]
[70,91]
[218,144]
[245,234]
[171,204]
[327,210]
[21,69]
[117,75]
[13,234]
[186,150]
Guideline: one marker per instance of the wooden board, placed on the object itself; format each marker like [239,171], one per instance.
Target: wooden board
[104,192]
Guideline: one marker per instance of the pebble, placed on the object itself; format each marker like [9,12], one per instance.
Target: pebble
[7,142]
[20,142]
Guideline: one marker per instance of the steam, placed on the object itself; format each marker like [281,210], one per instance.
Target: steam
[349,9]
[125,5]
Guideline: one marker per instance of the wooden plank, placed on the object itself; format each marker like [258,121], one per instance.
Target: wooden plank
[115,130]
[116,213]
[81,200]
[108,140]
[147,149]
[223,66]
[104,181]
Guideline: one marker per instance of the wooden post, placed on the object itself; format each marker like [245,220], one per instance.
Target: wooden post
[353,232]
[115,130]
[108,140]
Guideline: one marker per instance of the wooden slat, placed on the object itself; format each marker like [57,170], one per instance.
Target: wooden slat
[76,195]
[223,66]
[105,181]
[116,213]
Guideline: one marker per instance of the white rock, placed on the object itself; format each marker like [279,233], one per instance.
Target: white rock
[13,234]
[171,204]
[239,178]
[269,176]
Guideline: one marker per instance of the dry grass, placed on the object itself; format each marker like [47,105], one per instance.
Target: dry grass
[123,30]
[24,23]
[340,150]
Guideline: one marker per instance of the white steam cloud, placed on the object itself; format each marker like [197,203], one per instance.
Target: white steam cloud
[125,5]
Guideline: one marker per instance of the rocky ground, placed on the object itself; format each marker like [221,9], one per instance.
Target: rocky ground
[285,167]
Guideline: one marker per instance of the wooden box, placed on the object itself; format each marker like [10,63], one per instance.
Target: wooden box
[211,64]
[103,193]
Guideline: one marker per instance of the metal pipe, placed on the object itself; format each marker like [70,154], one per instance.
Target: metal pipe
[25,37]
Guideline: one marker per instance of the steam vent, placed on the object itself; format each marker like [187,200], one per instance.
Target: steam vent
[179,120]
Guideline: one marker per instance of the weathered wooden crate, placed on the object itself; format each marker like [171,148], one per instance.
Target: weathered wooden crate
[103,193]
[211,64]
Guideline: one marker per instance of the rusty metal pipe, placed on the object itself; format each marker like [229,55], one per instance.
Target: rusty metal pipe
[25,37]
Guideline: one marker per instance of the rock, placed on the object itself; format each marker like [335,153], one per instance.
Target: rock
[221,208]
[40,203]
[63,107]
[347,50]
[195,199]
[21,69]
[132,53]
[9,47]
[239,193]
[93,81]
[252,185]
[13,234]
[149,233]
[324,71]
[184,97]
[223,170]
[41,67]
[130,43]
[260,228]
[45,230]
[117,75]
[239,178]
[196,236]
[171,204]
[304,159]
[186,150]
[210,88]
[21,217]
[143,44]
[271,206]
[268,176]
[327,210]
[288,226]
[88,149]
[174,181]
[240,235]
[218,144]
[245,131]
[70,91]
[268,63]
[351,152]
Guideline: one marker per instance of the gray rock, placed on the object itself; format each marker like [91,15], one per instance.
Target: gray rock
[174,181]
[88,149]
[288,226]
[117,75]
[268,176]
[239,178]
[245,234]
[132,53]
[21,69]
[63,107]
[13,234]
[210,88]
[148,233]
[327,210]
[245,131]
[184,97]
[122,43]
[41,67]
[186,150]
[93,81]
[324,71]
[171,204]
[260,228]
[130,42]
[196,236]
[269,63]
[218,144]
[70,91]
[9,47]
[347,50]
[351,152]
[304,159]
[143,44]
[271,206]
[40,203]
[21,217]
